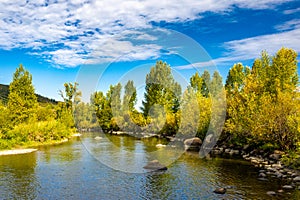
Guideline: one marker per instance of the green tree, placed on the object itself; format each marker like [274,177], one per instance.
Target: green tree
[236,77]
[265,110]
[22,101]
[103,111]
[196,83]
[205,83]
[216,84]
[114,100]
[70,95]
[130,97]
[195,109]
[162,98]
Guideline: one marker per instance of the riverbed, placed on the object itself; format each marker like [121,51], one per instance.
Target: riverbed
[111,167]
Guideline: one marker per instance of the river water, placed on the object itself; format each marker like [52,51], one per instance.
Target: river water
[112,168]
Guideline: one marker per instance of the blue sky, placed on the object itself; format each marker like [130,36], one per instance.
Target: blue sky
[98,43]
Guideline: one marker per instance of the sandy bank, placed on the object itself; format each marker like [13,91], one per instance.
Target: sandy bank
[16,151]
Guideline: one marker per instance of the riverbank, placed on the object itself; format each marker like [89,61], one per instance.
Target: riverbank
[32,146]
[16,151]
[269,166]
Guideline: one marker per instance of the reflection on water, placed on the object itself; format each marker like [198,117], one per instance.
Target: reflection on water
[75,171]
[17,176]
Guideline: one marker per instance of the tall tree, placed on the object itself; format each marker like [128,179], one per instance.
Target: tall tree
[71,94]
[205,83]
[161,88]
[130,97]
[196,82]
[162,95]
[236,77]
[216,85]
[103,110]
[22,101]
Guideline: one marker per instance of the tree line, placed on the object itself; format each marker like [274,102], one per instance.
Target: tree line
[261,108]
[262,103]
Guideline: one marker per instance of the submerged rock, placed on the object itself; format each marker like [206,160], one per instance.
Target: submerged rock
[98,138]
[220,191]
[155,165]
[192,144]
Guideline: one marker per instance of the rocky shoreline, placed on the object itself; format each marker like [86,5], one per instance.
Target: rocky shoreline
[269,166]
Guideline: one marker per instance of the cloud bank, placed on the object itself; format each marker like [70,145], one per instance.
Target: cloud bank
[73,32]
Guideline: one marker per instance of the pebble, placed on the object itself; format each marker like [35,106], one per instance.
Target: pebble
[288,187]
[271,193]
[262,179]
[262,175]
[297,179]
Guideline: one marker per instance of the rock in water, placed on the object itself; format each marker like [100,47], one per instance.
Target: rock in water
[155,165]
[220,191]
[192,144]
[98,138]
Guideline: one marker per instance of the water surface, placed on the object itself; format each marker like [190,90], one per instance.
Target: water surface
[84,169]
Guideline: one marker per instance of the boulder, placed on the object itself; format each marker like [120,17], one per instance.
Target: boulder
[192,144]
[155,165]
[98,138]
[220,191]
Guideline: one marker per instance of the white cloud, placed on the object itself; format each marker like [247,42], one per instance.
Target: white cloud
[73,32]
[291,11]
[289,25]
[250,48]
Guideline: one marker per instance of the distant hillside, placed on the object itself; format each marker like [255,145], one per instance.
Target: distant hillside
[4,91]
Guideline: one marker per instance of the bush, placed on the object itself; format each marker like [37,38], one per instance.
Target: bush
[39,132]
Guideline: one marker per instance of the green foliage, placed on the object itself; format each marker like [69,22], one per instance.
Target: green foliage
[39,132]
[23,121]
[103,111]
[161,99]
[130,97]
[263,106]
[22,101]
[84,115]
[236,77]
[205,83]
[216,85]
[70,95]
[196,106]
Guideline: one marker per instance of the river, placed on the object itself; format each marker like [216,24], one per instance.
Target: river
[111,167]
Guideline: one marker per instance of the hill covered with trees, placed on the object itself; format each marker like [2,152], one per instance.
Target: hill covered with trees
[4,92]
